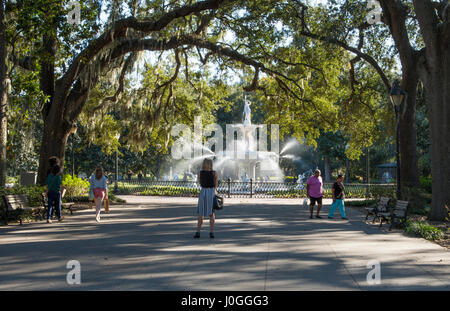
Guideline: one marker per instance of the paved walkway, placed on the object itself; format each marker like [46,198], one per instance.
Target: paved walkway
[261,244]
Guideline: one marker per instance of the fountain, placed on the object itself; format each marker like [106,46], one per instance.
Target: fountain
[246,156]
[244,161]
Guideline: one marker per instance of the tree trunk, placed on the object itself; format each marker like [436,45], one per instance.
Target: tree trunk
[435,75]
[3,97]
[438,92]
[327,173]
[54,139]
[409,167]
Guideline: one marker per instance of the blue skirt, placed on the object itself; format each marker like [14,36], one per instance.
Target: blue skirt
[205,202]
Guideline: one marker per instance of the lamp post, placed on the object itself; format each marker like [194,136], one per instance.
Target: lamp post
[73,131]
[397,96]
[116,186]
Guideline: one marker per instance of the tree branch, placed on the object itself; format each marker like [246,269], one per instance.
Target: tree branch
[354,50]
[128,63]
[119,29]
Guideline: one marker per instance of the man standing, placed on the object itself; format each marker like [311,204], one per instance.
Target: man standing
[315,192]
[338,198]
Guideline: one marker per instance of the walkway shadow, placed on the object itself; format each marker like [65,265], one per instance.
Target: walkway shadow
[257,247]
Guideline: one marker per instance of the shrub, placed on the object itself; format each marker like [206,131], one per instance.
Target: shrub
[360,203]
[170,191]
[290,179]
[33,193]
[423,229]
[12,180]
[383,191]
[75,186]
[425,183]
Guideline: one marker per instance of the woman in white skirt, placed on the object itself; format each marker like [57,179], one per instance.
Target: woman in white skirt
[207,178]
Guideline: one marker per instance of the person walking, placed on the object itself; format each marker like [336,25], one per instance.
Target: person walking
[338,198]
[100,190]
[314,190]
[52,161]
[53,193]
[207,178]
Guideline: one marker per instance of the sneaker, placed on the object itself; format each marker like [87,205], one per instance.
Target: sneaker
[344,218]
[197,235]
[61,218]
[49,221]
[318,216]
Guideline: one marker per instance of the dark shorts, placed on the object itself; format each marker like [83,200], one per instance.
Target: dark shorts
[314,200]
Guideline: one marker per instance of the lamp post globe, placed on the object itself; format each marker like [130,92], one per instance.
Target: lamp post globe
[397,96]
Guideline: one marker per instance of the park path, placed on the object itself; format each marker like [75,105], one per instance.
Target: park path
[261,244]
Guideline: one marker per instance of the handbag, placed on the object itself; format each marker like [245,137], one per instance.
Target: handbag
[217,203]
[106,205]
[305,203]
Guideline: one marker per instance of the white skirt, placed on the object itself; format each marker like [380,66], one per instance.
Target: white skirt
[205,202]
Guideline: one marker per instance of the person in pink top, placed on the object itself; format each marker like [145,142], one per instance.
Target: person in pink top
[315,192]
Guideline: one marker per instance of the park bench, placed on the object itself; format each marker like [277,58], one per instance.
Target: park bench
[381,207]
[398,215]
[19,203]
[68,206]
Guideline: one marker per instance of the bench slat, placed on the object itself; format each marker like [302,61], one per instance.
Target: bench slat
[17,202]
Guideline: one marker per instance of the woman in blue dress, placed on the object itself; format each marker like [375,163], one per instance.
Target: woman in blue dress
[207,178]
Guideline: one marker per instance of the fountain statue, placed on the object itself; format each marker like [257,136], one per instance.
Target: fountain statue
[244,177]
[300,185]
[247,112]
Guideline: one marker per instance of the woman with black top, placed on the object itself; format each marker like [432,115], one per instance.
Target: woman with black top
[208,182]
[338,198]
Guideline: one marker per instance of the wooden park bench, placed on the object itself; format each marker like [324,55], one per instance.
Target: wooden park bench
[20,204]
[399,213]
[381,207]
[397,216]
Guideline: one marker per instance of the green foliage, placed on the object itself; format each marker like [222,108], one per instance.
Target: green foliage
[290,179]
[76,199]
[360,203]
[351,192]
[419,200]
[12,179]
[382,191]
[75,186]
[33,193]
[425,183]
[171,191]
[424,230]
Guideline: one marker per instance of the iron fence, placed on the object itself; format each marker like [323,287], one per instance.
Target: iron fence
[250,189]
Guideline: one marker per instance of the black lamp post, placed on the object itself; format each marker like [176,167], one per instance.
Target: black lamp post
[397,96]
[116,186]
[73,131]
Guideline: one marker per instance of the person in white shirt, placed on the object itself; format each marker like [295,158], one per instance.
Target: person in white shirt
[100,189]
